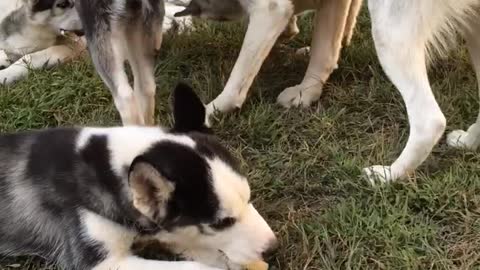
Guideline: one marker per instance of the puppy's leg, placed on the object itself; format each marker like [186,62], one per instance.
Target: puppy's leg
[4,61]
[330,23]
[268,18]
[400,38]
[109,53]
[141,56]
[470,139]
[116,241]
[135,263]
[42,59]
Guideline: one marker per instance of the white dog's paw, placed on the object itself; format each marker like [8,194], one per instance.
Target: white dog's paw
[300,95]
[379,174]
[469,139]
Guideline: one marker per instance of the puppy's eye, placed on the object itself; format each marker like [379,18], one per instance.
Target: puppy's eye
[224,223]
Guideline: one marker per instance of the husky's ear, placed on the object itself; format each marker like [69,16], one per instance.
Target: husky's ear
[151,191]
[188,110]
[193,9]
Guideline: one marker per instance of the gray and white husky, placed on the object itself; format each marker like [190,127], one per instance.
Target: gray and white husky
[119,31]
[80,197]
[30,36]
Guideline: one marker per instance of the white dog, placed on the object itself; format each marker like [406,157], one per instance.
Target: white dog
[268,19]
[406,32]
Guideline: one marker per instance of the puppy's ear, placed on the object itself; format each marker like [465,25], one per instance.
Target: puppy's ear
[193,9]
[188,110]
[150,190]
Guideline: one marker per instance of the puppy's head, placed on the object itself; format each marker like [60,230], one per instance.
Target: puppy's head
[219,10]
[57,14]
[196,193]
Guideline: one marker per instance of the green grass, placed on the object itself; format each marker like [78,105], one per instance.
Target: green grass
[305,164]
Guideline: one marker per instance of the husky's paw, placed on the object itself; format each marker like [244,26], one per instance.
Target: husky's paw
[4,61]
[300,95]
[8,77]
[379,174]
[469,139]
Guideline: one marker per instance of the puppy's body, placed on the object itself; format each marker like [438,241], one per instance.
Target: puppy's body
[30,36]
[81,196]
[334,23]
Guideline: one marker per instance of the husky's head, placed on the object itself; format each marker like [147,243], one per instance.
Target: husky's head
[197,195]
[219,10]
[57,14]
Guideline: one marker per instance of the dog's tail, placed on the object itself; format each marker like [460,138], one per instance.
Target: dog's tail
[355,7]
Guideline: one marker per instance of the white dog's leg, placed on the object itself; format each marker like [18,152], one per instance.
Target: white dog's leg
[330,23]
[42,59]
[400,40]
[4,61]
[470,139]
[268,18]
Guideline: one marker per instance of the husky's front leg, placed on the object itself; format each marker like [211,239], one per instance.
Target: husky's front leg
[47,58]
[268,18]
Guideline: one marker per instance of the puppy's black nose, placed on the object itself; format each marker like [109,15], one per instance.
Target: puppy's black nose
[271,248]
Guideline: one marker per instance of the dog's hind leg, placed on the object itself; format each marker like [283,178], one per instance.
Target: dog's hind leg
[400,31]
[330,24]
[470,139]
[109,53]
[47,58]
[268,18]
[141,57]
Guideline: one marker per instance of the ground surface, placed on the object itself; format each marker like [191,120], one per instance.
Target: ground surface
[305,165]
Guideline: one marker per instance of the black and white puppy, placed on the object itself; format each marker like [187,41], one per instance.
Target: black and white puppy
[81,196]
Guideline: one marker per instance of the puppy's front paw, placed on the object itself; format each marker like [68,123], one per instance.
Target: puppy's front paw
[196,266]
[7,77]
[4,61]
